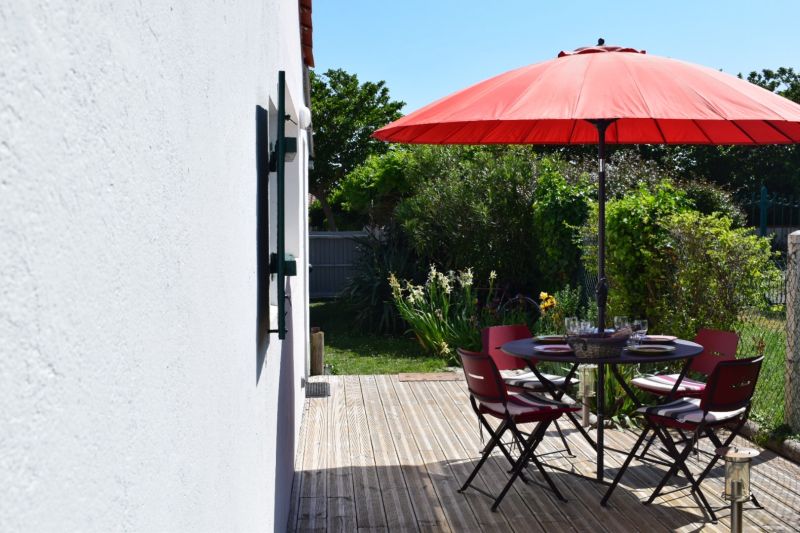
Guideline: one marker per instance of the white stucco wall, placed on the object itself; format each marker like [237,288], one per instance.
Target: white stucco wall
[128,391]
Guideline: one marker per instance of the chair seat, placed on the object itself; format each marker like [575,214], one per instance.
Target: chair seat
[687,411]
[663,383]
[528,380]
[527,408]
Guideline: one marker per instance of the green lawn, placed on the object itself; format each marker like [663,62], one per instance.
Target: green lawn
[350,351]
[768,402]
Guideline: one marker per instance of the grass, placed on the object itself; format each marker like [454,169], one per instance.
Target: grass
[768,402]
[350,351]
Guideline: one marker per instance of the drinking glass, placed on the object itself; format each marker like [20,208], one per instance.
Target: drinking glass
[621,322]
[639,330]
[586,327]
[572,325]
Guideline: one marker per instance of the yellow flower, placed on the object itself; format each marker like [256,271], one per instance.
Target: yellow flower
[543,296]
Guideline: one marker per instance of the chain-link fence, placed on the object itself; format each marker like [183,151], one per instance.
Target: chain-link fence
[762,331]
[791,359]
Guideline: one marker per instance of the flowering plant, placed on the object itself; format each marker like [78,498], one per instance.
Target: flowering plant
[443,312]
[554,308]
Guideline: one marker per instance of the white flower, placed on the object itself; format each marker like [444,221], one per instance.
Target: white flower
[465,278]
[432,273]
[492,275]
[445,282]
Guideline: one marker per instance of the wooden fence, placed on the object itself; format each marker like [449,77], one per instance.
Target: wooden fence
[332,255]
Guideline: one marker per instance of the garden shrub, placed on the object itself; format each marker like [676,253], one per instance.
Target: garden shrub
[476,211]
[374,188]
[716,272]
[381,252]
[679,268]
[636,247]
[559,209]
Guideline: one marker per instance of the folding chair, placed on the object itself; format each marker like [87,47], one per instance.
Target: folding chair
[725,403]
[717,346]
[514,371]
[489,397]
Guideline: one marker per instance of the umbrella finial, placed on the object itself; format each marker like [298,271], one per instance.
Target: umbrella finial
[601,41]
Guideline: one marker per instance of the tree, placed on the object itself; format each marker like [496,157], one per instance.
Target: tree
[345,113]
[783,81]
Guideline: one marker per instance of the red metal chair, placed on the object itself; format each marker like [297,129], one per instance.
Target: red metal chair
[717,346]
[514,371]
[489,397]
[725,402]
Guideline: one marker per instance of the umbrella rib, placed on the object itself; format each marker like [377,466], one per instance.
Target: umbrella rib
[703,131]
[459,129]
[572,130]
[491,130]
[776,128]
[736,124]
[660,131]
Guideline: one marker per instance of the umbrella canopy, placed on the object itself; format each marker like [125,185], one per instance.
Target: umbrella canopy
[653,99]
[601,94]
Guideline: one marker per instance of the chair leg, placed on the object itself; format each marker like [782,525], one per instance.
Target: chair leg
[624,467]
[717,444]
[647,446]
[689,448]
[580,428]
[489,447]
[563,439]
[499,443]
[678,460]
[530,446]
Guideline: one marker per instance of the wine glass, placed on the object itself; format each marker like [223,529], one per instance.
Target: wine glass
[639,330]
[621,322]
[572,325]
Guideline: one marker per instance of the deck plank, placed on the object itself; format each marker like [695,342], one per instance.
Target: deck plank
[397,502]
[519,506]
[369,503]
[383,455]
[341,494]
[457,509]
[312,509]
[428,509]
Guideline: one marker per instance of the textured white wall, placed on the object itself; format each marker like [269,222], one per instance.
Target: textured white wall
[128,392]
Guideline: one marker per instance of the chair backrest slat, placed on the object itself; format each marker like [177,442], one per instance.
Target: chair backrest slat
[483,378]
[495,336]
[731,385]
[717,346]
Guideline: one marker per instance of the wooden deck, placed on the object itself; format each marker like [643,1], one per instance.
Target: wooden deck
[386,455]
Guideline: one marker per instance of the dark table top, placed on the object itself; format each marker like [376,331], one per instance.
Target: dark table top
[524,349]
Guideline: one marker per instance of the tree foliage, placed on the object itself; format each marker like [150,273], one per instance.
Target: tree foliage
[345,113]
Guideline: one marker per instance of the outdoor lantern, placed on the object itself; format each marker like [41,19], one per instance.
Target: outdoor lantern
[586,374]
[737,479]
[586,389]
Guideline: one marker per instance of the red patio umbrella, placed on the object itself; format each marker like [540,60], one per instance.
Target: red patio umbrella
[604,94]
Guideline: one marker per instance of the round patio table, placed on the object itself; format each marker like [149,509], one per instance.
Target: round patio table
[526,349]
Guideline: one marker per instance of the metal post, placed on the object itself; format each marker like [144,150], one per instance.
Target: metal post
[736,513]
[763,205]
[602,283]
[601,418]
[792,370]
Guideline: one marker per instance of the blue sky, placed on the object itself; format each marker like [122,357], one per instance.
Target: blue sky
[427,49]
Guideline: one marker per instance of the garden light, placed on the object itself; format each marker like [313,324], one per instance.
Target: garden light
[737,479]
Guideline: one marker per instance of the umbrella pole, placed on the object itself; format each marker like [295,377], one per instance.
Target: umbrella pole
[602,283]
